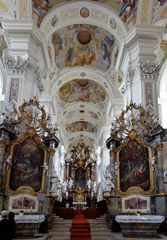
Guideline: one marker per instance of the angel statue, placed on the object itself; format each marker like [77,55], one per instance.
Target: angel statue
[108,185]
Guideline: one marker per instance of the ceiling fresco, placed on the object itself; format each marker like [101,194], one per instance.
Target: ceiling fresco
[81,126]
[82,90]
[85,113]
[126,9]
[84,45]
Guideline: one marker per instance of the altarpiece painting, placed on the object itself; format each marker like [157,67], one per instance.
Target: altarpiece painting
[80,178]
[28,157]
[134,161]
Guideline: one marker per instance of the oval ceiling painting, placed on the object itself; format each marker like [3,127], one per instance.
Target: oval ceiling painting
[81,126]
[82,90]
[84,45]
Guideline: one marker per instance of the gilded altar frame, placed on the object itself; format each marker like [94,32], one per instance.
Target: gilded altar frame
[123,164]
[23,141]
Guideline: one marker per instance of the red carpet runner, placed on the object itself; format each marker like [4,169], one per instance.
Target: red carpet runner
[80,229]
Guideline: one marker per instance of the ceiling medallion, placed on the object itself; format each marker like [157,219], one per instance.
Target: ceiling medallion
[84,36]
[54,20]
[84,12]
[82,74]
[59,82]
[113,23]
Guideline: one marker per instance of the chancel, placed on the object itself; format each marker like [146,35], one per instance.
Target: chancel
[83,99]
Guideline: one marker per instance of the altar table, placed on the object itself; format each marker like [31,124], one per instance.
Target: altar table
[29,218]
[28,225]
[139,225]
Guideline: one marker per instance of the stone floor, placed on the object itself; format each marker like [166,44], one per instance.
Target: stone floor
[113,236]
[99,231]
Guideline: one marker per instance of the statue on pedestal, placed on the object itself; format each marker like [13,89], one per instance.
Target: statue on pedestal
[108,185]
[56,188]
[89,184]
[70,184]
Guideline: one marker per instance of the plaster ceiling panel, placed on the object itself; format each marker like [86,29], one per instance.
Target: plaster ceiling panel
[84,45]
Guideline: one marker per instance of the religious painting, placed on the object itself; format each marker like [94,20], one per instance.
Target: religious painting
[81,126]
[136,203]
[164,160]
[26,170]
[84,45]
[134,170]
[82,90]
[14,89]
[80,178]
[39,10]
[25,202]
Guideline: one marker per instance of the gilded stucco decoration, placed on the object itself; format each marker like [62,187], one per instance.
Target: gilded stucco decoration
[136,117]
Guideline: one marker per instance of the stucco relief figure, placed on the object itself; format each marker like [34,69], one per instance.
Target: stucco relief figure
[95,187]
[55,186]
[89,184]
[70,184]
[108,185]
[65,186]
[165,175]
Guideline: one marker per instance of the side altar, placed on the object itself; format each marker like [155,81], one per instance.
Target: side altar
[135,145]
[139,225]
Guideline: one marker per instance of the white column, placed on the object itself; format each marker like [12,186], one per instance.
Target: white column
[142,67]
[25,60]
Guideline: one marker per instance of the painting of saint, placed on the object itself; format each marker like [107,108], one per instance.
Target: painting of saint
[134,167]
[27,162]
[80,178]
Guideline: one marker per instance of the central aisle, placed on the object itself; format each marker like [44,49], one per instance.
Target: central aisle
[80,228]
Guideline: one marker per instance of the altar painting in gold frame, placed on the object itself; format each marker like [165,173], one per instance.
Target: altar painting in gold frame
[28,156]
[136,203]
[23,202]
[134,166]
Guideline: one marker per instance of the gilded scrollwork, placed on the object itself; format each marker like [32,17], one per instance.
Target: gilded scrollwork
[136,117]
[30,115]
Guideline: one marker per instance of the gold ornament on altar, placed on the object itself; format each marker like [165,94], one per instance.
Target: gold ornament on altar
[79,195]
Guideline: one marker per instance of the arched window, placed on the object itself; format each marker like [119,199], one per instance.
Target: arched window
[162,100]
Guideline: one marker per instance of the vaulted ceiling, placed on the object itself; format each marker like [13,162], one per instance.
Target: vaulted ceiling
[84,41]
